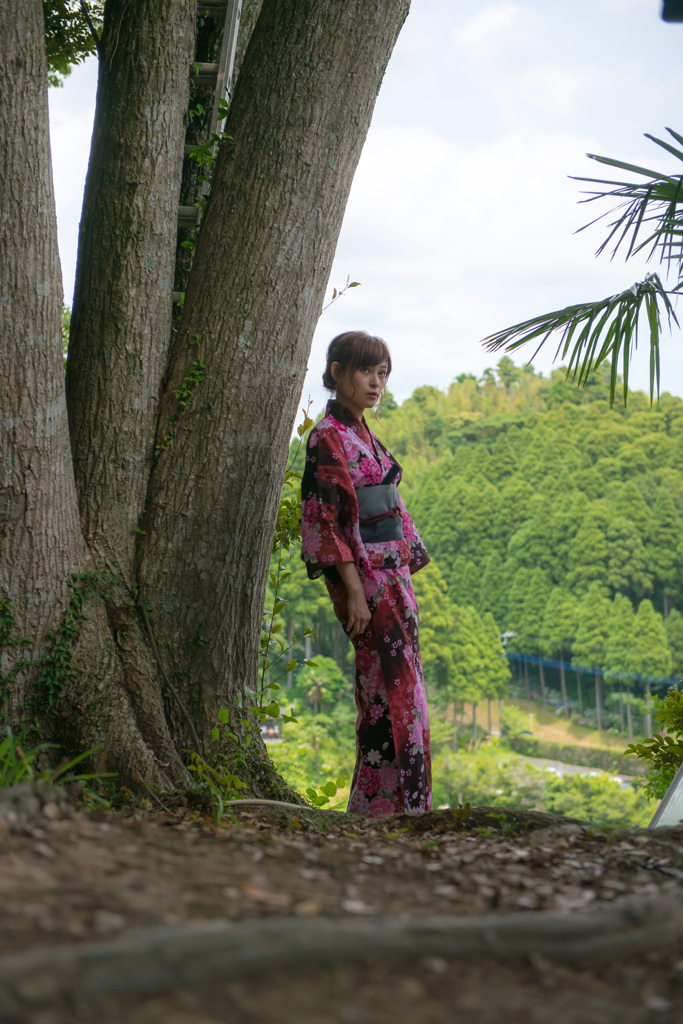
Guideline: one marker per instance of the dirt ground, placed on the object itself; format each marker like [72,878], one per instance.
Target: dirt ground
[75,879]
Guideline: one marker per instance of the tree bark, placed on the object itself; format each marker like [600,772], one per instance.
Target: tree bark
[621,706]
[39,548]
[647,721]
[139,684]
[541,673]
[300,113]
[563,686]
[629,719]
[578,692]
[121,320]
[598,701]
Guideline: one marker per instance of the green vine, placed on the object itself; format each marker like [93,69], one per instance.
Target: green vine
[57,664]
[184,394]
[8,639]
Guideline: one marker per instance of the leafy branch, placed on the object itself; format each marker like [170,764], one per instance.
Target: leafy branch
[593,332]
[649,215]
[337,294]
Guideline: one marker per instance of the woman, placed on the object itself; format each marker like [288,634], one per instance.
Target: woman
[356,530]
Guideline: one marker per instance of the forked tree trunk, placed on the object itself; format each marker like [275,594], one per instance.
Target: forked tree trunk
[143,685]
[41,546]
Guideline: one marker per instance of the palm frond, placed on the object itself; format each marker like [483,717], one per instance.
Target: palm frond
[652,208]
[592,332]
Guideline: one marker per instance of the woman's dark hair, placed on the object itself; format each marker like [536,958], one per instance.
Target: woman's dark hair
[352,350]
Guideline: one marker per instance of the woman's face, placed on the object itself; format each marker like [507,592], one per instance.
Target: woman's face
[361,389]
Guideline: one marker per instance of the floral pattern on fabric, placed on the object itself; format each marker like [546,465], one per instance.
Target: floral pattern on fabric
[393,766]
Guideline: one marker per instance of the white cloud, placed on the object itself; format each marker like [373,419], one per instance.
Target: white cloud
[494,20]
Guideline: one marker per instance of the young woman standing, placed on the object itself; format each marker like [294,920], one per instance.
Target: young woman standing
[356,530]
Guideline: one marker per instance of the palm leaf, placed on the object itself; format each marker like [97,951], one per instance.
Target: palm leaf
[592,332]
[653,207]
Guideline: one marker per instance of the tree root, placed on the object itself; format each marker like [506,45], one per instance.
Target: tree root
[157,960]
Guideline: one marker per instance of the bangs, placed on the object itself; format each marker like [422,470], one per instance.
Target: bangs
[370,351]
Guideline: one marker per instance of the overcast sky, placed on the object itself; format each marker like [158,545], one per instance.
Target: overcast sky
[461,219]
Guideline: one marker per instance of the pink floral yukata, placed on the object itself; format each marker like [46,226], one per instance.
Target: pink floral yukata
[393,765]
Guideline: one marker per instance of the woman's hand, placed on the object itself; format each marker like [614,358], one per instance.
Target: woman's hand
[359,613]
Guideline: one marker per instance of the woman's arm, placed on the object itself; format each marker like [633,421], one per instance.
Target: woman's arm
[359,613]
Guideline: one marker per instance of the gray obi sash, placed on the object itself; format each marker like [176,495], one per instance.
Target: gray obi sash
[379,512]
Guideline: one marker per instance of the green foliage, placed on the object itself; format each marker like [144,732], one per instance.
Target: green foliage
[7,641]
[191,381]
[216,783]
[68,36]
[480,781]
[599,799]
[513,721]
[320,746]
[19,757]
[321,795]
[592,757]
[673,626]
[591,628]
[184,395]
[662,753]
[56,670]
[492,778]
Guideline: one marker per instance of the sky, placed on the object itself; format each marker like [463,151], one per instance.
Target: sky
[462,217]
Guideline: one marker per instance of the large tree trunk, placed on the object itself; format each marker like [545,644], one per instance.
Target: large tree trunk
[40,541]
[41,546]
[140,685]
[300,113]
[121,321]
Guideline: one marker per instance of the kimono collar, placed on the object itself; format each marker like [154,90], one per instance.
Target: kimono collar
[340,412]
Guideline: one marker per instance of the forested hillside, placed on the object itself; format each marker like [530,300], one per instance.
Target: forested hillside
[548,515]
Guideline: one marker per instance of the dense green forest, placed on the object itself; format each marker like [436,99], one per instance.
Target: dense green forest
[549,515]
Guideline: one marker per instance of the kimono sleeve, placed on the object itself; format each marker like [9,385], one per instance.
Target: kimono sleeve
[419,557]
[329,507]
